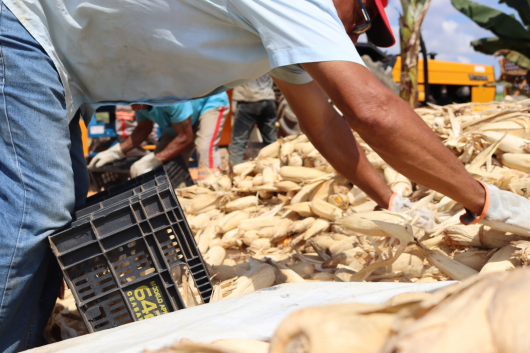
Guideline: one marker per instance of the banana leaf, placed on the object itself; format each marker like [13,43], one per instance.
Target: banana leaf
[493,44]
[501,24]
[522,7]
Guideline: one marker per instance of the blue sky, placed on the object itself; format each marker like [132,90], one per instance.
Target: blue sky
[448,32]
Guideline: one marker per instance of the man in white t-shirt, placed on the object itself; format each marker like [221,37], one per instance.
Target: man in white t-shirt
[253,105]
[60,57]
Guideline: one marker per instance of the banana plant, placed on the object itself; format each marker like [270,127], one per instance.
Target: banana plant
[410,21]
[512,38]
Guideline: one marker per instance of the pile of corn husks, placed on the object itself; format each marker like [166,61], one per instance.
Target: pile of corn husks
[287,217]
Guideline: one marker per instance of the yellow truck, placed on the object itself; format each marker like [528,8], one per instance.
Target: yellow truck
[453,82]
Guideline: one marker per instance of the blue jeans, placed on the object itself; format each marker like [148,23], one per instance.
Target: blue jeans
[43,176]
[248,114]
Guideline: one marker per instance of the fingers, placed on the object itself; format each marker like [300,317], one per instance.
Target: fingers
[101,162]
[93,162]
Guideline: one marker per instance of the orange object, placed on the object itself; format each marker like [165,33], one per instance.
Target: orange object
[84,137]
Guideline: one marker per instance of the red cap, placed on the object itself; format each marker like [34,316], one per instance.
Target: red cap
[380,34]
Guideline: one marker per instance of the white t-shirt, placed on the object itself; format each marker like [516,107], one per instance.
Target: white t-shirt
[255,91]
[163,52]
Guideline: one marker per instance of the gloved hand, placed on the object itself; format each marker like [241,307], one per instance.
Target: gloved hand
[399,203]
[145,164]
[113,154]
[503,211]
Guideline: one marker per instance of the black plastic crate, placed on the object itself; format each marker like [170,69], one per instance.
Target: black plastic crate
[118,172]
[129,254]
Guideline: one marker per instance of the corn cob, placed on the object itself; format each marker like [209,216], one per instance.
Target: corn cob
[231,221]
[249,236]
[257,223]
[231,238]
[477,235]
[302,208]
[511,144]
[301,225]
[281,230]
[295,160]
[299,174]
[519,161]
[286,186]
[260,245]
[269,151]
[199,222]
[325,209]
[215,256]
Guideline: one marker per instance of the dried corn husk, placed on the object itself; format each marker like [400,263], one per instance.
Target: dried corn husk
[261,276]
[473,258]
[365,329]
[325,209]
[454,269]
[502,260]
[225,272]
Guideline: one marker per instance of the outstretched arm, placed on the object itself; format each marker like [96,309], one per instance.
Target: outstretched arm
[333,138]
[395,131]
[180,143]
[139,135]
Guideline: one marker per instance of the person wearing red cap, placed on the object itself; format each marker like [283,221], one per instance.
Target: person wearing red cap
[61,59]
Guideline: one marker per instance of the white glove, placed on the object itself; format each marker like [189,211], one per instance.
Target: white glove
[145,164]
[402,204]
[113,154]
[503,210]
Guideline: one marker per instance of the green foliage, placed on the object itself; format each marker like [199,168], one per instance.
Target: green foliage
[510,33]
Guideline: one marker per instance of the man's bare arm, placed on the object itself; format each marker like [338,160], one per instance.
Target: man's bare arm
[332,136]
[180,143]
[139,135]
[395,131]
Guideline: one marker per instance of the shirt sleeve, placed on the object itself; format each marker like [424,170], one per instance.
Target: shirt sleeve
[296,31]
[141,115]
[292,74]
[177,113]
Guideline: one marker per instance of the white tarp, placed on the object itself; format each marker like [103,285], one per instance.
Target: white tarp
[252,316]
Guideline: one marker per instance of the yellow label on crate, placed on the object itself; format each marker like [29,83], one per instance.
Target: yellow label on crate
[147,301]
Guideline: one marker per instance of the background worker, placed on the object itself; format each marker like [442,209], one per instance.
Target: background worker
[172,51]
[186,127]
[253,105]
